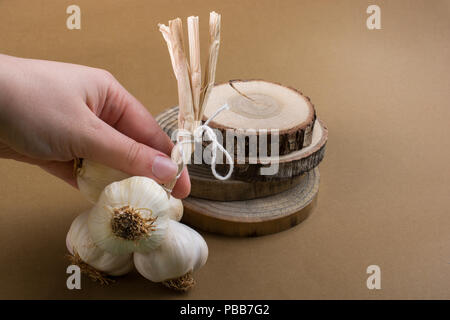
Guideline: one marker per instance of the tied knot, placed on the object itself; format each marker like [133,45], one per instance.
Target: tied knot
[184,136]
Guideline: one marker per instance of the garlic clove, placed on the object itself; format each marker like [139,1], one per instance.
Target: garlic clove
[130,215]
[80,244]
[182,252]
[175,209]
[93,177]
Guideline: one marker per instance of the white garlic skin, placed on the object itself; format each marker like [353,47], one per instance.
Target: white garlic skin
[79,241]
[93,177]
[141,194]
[175,210]
[184,250]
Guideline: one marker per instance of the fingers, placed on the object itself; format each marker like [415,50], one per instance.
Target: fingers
[183,186]
[63,170]
[104,144]
[125,113]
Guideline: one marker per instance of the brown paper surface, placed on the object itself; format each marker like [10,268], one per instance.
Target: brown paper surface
[385,181]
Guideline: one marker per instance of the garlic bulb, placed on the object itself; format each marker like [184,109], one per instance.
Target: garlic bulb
[93,177]
[175,210]
[130,215]
[172,263]
[80,245]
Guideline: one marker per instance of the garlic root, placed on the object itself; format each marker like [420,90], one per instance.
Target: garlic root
[90,271]
[90,258]
[183,283]
[182,252]
[130,215]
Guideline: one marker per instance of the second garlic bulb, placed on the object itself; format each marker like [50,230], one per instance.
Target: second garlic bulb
[130,215]
[182,252]
[80,245]
[93,177]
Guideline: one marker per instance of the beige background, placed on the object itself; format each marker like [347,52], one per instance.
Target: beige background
[385,180]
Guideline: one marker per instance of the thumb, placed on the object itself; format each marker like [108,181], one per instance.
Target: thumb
[104,144]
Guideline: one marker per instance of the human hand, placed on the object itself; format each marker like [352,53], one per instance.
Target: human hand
[52,113]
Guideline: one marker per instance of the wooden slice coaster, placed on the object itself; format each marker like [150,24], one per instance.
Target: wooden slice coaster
[256,105]
[254,217]
[168,121]
[290,165]
[205,186]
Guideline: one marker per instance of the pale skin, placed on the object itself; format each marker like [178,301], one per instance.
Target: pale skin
[53,112]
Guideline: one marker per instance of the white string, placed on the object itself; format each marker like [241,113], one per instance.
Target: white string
[211,136]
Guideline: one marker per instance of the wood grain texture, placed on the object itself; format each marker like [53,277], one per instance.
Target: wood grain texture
[289,165]
[254,217]
[261,104]
[205,186]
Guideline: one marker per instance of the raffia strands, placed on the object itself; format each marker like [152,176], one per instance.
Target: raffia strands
[210,71]
[174,38]
[192,95]
[195,65]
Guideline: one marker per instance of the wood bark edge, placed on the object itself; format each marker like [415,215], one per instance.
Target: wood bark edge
[291,139]
[289,166]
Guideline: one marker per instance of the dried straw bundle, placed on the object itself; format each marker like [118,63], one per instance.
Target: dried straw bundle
[192,94]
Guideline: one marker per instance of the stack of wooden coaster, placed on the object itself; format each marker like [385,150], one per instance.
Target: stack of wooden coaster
[267,192]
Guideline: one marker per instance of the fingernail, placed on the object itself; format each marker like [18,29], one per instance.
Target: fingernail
[164,169]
